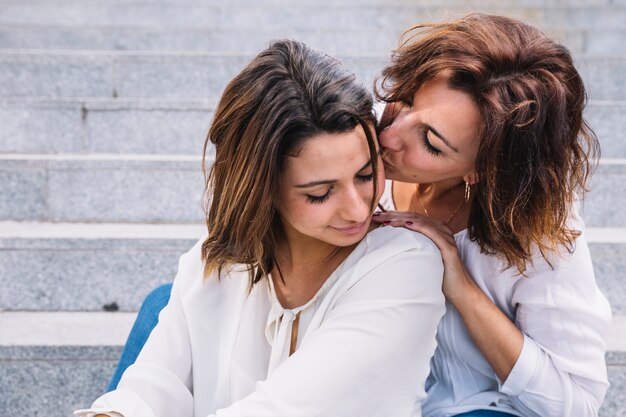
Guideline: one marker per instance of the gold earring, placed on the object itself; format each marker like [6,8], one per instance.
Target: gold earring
[467,191]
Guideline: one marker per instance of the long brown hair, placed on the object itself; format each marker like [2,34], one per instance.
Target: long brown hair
[286,95]
[536,150]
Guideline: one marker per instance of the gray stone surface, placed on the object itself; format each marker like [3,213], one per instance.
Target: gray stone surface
[125,191]
[155,131]
[603,205]
[86,274]
[49,75]
[41,128]
[52,387]
[108,190]
[616,396]
[90,14]
[215,41]
[609,263]
[389,16]
[603,16]
[605,41]
[329,4]
[356,41]
[172,76]
[608,121]
[22,191]
[201,16]
[605,76]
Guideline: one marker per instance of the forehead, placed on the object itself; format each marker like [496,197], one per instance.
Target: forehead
[328,156]
[450,111]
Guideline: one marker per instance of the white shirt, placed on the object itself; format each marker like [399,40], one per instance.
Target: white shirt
[364,341]
[561,370]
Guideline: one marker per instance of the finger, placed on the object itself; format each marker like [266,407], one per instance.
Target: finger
[393,215]
[443,241]
[407,215]
[397,218]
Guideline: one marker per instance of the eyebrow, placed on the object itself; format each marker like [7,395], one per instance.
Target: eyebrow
[322,182]
[443,139]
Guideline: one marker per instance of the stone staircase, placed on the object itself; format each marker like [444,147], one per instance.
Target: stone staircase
[104,106]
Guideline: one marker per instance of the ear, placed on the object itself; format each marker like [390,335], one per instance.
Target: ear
[471,178]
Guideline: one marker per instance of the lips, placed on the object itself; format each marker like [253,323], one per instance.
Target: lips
[352,229]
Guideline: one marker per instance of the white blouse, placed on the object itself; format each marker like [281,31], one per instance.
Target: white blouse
[561,370]
[363,346]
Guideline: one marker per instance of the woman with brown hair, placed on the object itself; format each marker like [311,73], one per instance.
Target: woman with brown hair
[289,307]
[484,141]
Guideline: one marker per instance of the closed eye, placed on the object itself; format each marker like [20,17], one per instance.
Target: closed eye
[428,145]
[365,178]
[318,199]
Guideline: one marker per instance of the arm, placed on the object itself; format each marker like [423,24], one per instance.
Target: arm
[371,354]
[552,358]
[561,369]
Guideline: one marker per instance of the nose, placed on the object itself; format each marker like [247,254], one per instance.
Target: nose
[389,138]
[356,204]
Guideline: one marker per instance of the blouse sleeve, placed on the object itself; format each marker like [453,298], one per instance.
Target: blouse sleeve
[159,383]
[370,356]
[561,370]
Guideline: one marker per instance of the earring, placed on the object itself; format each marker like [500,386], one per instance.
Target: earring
[467,191]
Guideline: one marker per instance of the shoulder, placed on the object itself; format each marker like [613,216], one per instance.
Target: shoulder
[395,263]
[191,270]
[190,265]
[395,252]
[395,240]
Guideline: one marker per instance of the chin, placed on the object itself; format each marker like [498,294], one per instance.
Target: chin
[348,239]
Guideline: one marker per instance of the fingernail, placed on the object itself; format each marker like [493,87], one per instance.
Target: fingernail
[387,222]
[376,214]
[408,223]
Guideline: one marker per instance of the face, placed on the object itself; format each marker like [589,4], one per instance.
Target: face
[434,139]
[326,190]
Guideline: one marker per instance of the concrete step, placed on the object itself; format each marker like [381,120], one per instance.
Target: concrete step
[101,188]
[602,205]
[110,266]
[44,266]
[597,40]
[67,359]
[334,42]
[162,75]
[168,189]
[341,3]
[125,126]
[210,16]
[295,15]
[176,127]
[201,75]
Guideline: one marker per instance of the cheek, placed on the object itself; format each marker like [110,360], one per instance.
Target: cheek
[303,215]
[417,158]
[380,183]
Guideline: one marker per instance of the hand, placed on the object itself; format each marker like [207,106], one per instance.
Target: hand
[456,278]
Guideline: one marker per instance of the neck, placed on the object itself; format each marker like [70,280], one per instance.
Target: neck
[439,190]
[303,265]
[443,200]
[299,254]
